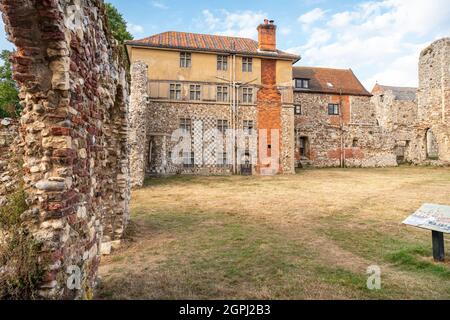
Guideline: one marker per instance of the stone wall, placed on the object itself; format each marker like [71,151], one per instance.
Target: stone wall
[74,91]
[287,140]
[8,132]
[351,139]
[163,119]
[138,122]
[434,103]
[398,116]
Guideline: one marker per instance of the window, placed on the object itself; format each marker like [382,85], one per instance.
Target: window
[222,125]
[188,159]
[175,91]
[185,60]
[333,109]
[248,126]
[298,109]
[355,143]
[247,95]
[223,160]
[247,64]
[185,124]
[194,92]
[222,93]
[302,83]
[222,63]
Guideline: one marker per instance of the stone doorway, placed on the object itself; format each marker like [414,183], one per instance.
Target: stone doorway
[303,145]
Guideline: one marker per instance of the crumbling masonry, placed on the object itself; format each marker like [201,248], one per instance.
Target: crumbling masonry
[432,143]
[73,133]
[418,119]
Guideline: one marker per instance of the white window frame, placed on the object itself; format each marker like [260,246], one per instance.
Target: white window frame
[247,95]
[185,60]
[247,64]
[195,92]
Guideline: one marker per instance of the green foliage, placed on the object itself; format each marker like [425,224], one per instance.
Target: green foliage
[117,24]
[9,94]
[20,260]
[20,257]
[10,213]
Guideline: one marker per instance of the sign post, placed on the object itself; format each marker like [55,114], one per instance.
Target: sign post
[436,218]
[438,246]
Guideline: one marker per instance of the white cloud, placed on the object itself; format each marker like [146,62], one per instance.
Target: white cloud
[211,21]
[379,40]
[135,29]
[239,23]
[342,19]
[159,5]
[285,31]
[312,16]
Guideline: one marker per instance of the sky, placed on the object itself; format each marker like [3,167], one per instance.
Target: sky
[379,40]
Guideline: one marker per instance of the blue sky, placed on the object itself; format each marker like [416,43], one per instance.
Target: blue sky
[379,40]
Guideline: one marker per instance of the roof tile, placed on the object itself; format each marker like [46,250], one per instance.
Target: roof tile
[327,80]
[206,42]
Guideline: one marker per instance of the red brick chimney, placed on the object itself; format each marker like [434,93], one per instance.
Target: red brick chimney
[267,36]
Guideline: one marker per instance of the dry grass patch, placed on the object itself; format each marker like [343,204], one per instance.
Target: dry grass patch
[308,236]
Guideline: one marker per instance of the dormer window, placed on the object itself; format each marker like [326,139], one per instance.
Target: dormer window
[302,83]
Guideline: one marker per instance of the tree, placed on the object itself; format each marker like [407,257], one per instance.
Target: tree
[9,94]
[117,24]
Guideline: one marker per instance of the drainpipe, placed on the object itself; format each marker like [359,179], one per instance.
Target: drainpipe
[341,126]
[231,95]
[236,99]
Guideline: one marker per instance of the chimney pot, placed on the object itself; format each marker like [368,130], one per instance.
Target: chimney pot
[267,38]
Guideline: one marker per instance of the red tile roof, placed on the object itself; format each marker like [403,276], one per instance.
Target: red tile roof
[207,42]
[327,80]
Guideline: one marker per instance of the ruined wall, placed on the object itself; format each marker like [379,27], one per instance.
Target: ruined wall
[138,122]
[434,103]
[8,131]
[74,91]
[398,117]
[352,139]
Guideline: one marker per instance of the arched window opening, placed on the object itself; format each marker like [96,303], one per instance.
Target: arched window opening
[432,146]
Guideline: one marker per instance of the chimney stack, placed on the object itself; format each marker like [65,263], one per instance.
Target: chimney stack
[267,36]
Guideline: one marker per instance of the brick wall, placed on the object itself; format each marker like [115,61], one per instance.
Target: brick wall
[269,110]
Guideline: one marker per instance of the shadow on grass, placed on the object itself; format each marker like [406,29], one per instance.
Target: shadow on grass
[218,256]
[392,245]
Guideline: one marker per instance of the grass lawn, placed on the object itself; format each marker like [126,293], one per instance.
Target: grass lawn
[308,236]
